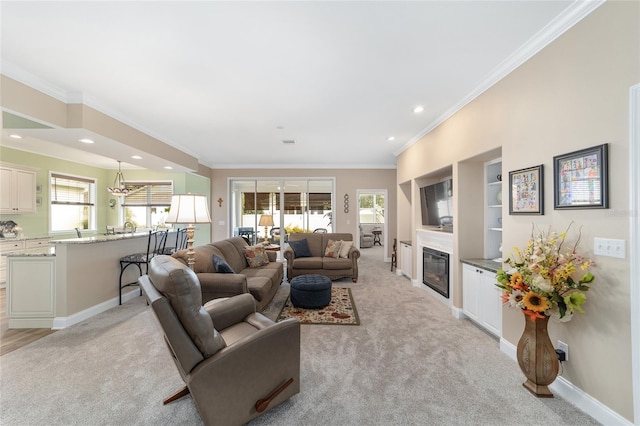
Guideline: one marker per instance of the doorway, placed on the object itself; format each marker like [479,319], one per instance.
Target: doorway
[371,218]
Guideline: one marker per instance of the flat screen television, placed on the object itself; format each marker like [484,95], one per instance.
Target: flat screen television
[436,202]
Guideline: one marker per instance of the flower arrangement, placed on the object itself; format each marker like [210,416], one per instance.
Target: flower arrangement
[541,279]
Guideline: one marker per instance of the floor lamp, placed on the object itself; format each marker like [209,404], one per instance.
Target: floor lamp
[189,209]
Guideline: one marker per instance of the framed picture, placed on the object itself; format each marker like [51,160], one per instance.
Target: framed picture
[526,191]
[580,179]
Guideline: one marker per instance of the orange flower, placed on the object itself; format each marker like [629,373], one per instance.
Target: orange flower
[533,316]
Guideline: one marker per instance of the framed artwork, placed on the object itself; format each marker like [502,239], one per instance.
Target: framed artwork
[580,179]
[526,191]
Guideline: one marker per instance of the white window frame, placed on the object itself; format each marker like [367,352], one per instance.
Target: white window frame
[93,184]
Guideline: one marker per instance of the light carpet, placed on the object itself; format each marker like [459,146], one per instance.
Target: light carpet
[340,311]
[410,362]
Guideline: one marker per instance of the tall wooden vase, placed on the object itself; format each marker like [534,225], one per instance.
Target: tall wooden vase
[537,357]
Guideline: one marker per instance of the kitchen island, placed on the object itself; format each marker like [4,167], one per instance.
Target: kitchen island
[79,278]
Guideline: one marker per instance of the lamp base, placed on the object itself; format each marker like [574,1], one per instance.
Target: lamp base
[190,251]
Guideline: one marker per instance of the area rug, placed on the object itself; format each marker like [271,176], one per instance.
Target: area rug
[340,311]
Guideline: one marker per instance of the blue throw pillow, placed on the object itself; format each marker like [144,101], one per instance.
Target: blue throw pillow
[221,265]
[300,248]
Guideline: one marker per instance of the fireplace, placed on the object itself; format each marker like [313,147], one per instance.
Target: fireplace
[435,270]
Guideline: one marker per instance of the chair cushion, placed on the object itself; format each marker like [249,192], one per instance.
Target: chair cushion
[300,248]
[256,256]
[221,265]
[345,248]
[179,284]
[333,249]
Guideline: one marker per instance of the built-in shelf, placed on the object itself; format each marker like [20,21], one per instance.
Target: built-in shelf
[493,209]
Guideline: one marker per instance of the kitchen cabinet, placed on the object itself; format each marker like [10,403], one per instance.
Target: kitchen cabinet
[18,190]
[32,245]
[481,300]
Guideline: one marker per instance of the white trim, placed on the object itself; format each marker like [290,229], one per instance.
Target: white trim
[63,322]
[575,12]
[634,243]
[574,395]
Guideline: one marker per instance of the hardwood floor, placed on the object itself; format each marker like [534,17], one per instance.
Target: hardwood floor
[12,339]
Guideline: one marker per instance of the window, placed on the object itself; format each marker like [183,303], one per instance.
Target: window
[372,208]
[147,205]
[72,202]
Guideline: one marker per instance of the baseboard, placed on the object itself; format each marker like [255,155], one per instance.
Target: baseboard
[30,322]
[63,322]
[574,395]
[457,313]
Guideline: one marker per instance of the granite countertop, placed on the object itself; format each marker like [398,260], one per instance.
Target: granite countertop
[50,253]
[25,237]
[487,264]
[100,238]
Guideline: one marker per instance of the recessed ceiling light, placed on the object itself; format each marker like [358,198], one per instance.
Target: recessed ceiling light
[15,136]
[418,109]
[168,167]
[86,140]
[391,138]
[136,157]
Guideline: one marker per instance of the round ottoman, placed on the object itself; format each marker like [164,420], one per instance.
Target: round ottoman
[310,291]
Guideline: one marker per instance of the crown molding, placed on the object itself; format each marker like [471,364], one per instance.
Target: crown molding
[304,166]
[573,14]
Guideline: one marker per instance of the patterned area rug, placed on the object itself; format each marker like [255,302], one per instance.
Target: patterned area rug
[340,311]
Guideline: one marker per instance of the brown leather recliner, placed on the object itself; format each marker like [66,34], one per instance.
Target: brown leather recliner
[235,362]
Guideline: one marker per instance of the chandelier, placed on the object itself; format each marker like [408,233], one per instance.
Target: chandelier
[118,184]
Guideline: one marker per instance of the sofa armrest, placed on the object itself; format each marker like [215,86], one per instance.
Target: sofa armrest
[217,285]
[233,310]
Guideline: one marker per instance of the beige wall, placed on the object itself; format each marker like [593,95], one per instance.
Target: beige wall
[347,182]
[574,94]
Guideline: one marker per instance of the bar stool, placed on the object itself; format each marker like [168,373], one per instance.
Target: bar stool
[181,242]
[394,254]
[155,246]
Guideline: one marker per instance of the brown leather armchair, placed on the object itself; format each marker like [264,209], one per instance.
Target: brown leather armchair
[235,362]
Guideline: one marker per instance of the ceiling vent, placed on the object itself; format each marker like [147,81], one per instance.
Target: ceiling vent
[289,141]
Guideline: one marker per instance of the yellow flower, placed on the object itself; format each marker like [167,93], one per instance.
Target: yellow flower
[535,302]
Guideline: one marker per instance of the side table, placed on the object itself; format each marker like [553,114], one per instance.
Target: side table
[376,237]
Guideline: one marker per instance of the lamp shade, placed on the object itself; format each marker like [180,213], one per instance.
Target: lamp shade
[188,208]
[266,220]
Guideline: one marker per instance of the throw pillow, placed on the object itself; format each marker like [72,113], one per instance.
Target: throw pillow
[345,248]
[300,248]
[256,256]
[333,249]
[221,265]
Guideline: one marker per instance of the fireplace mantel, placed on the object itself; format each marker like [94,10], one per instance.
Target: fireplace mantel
[438,240]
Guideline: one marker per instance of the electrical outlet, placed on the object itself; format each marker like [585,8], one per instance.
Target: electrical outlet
[609,247]
[564,347]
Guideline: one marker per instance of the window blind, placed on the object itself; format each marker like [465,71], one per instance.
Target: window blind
[148,194]
[72,190]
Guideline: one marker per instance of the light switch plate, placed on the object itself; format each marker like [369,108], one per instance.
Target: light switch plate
[609,247]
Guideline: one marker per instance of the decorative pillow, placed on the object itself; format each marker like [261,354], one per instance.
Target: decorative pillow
[333,249]
[345,248]
[221,265]
[256,256]
[300,248]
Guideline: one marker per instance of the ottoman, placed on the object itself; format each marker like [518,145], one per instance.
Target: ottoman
[310,291]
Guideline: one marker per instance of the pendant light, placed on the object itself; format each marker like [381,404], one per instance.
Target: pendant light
[118,184]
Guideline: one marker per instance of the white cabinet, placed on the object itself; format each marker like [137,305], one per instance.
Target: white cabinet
[406,254]
[493,209]
[481,300]
[18,190]
[35,245]
[31,292]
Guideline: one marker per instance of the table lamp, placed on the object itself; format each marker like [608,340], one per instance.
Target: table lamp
[266,220]
[189,209]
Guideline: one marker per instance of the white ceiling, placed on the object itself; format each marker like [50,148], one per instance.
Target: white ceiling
[227,81]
